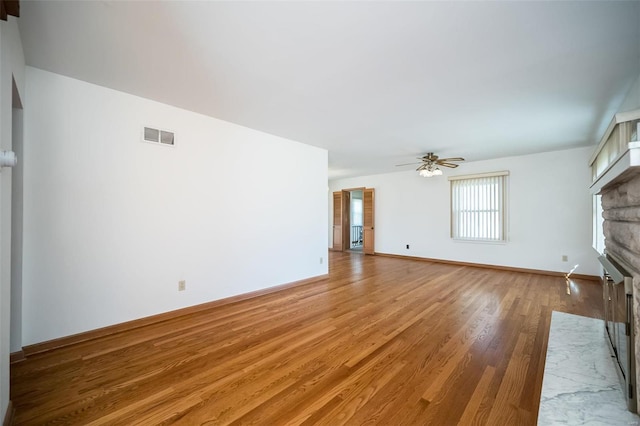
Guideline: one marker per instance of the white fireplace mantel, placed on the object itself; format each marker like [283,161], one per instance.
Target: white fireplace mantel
[616,159]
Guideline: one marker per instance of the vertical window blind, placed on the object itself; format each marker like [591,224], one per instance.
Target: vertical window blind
[478,207]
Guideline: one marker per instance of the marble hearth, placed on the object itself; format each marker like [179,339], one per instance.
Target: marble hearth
[580,384]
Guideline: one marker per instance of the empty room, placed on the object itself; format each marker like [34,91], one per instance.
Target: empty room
[319,212]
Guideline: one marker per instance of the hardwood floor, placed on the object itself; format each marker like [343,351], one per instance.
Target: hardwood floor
[381,341]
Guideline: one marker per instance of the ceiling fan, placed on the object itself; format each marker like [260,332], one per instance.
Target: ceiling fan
[430,162]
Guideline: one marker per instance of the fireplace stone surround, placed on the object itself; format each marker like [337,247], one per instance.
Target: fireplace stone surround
[621,213]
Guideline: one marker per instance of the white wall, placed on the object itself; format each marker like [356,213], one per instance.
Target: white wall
[549,213]
[632,100]
[112,223]
[11,67]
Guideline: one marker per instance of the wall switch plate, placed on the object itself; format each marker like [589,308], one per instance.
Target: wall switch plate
[565,258]
[321,260]
[182,285]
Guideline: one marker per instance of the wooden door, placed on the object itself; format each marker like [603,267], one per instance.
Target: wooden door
[337,221]
[368,234]
[341,212]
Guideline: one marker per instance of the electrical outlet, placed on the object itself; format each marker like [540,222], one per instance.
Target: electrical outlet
[321,260]
[565,258]
[182,285]
[407,246]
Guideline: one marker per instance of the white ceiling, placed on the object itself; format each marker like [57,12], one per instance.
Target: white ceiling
[375,83]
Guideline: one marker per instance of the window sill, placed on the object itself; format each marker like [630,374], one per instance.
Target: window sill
[460,240]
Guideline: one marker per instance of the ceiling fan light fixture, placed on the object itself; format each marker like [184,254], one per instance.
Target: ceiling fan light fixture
[429,170]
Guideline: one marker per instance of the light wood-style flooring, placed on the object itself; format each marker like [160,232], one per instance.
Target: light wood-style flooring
[382,341]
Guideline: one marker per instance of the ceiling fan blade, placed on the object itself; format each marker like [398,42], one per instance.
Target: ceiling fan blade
[430,160]
[453,166]
[406,164]
[452,159]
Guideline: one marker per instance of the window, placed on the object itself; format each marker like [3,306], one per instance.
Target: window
[598,224]
[478,207]
[356,211]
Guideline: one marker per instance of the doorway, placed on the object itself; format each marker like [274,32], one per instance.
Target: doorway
[353,218]
[355,221]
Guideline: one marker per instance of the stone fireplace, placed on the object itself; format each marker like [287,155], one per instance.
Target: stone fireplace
[615,172]
[621,206]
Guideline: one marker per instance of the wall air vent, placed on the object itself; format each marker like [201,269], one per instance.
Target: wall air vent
[163,137]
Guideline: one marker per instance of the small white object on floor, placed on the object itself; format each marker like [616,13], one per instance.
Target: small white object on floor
[580,384]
